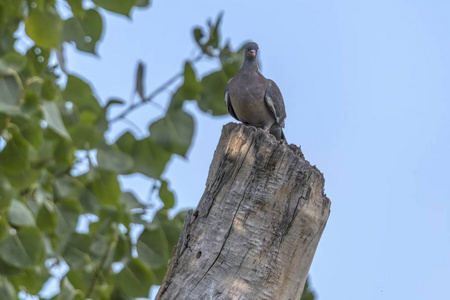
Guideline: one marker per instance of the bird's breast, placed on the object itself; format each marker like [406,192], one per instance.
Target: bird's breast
[247,99]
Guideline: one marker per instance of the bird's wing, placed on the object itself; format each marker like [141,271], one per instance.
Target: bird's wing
[274,102]
[228,102]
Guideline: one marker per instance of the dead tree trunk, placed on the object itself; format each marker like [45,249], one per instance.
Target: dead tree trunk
[257,226]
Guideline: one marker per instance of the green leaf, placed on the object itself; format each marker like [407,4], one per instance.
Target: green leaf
[174,131]
[191,86]
[4,227]
[24,249]
[212,95]
[81,279]
[142,3]
[171,227]
[67,188]
[106,188]
[159,274]
[68,292]
[54,120]
[6,192]
[231,61]
[135,279]
[114,101]
[215,38]
[130,201]
[76,252]
[8,270]
[123,248]
[14,157]
[31,131]
[77,7]
[122,7]
[152,247]
[307,294]
[149,158]
[166,195]
[9,90]
[114,161]
[19,215]
[49,90]
[7,290]
[31,280]
[37,60]
[140,80]
[85,30]
[12,61]
[68,213]
[10,110]
[80,94]
[44,27]
[46,218]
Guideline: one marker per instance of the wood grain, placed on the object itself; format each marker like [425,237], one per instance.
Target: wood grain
[257,226]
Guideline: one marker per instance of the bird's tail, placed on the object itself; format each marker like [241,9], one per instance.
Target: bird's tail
[277,131]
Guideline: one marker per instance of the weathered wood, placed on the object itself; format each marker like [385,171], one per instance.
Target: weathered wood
[257,226]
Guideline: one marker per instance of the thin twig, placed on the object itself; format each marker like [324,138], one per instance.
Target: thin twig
[150,97]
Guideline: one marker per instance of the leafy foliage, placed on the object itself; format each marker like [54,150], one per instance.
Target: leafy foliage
[308,294]
[48,129]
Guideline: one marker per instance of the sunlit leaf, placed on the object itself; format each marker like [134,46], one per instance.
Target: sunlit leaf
[20,215]
[77,7]
[11,110]
[53,119]
[44,27]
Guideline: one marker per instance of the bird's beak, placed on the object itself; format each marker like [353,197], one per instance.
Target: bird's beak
[253,53]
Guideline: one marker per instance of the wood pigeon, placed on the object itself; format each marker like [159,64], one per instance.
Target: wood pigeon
[253,99]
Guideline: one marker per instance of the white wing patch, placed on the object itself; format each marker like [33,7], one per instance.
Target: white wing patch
[226,98]
[271,106]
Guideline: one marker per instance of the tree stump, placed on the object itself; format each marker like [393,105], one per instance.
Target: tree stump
[257,226]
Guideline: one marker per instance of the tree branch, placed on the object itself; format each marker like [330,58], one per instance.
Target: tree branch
[152,95]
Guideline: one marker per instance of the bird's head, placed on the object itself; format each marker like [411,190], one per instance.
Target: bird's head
[251,50]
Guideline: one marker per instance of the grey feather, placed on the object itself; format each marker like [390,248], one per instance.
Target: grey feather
[228,102]
[274,101]
[253,99]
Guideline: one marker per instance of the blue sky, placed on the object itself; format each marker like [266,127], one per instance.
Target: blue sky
[367,93]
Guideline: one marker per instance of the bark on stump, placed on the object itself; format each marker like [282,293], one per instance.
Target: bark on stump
[257,226]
